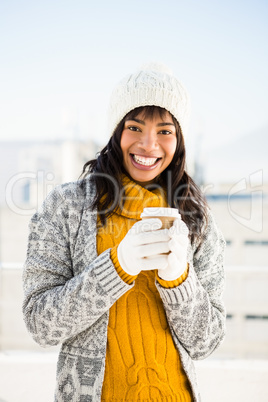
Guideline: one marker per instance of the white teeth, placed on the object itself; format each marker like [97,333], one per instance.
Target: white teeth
[144,161]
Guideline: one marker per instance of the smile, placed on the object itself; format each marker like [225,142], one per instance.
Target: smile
[145,161]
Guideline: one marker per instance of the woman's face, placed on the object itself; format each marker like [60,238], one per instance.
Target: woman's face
[148,146]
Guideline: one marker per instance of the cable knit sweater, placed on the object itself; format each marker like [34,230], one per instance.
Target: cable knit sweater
[142,361]
[69,290]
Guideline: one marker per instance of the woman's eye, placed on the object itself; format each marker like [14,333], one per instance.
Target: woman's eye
[165,132]
[133,128]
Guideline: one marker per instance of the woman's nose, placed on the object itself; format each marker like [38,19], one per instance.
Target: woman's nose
[149,141]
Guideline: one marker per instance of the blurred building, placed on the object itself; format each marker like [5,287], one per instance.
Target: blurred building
[30,170]
[243,219]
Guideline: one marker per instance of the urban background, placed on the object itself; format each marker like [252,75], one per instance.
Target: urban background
[60,64]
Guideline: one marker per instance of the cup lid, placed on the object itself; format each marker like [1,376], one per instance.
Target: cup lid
[160,211]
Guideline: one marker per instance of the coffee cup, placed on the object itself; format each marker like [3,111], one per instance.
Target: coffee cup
[166,215]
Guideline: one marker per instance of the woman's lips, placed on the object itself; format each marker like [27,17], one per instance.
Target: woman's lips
[144,162]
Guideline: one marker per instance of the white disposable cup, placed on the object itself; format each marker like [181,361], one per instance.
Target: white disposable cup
[166,215]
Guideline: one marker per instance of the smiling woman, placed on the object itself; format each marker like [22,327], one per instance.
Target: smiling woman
[133,303]
[155,132]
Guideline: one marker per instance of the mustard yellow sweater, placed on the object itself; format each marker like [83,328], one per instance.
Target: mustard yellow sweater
[142,362]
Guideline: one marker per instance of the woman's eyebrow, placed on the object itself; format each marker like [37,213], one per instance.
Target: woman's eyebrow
[137,120]
[165,124]
[158,125]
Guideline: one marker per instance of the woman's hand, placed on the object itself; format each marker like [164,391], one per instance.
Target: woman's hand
[144,247]
[178,245]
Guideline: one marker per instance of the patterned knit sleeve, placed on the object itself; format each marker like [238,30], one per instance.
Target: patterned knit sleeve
[195,309]
[67,287]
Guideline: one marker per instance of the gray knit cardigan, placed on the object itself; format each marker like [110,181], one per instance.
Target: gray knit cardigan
[69,290]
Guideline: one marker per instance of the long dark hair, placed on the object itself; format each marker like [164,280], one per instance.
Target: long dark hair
[181,191]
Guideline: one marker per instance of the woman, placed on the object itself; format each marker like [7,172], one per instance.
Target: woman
[132,306]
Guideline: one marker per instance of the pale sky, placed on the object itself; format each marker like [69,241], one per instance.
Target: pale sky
[59,61]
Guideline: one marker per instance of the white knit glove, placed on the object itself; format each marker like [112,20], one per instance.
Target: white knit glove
[141,248]
[178,245]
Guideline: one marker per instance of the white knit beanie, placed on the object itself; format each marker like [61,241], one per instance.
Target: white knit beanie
[154,84]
